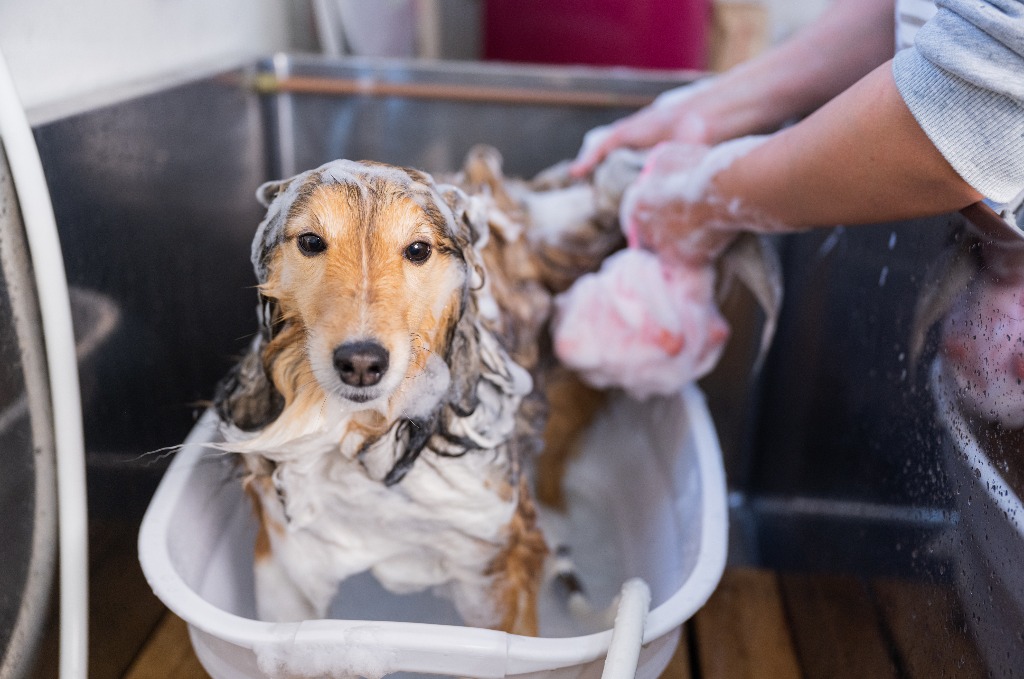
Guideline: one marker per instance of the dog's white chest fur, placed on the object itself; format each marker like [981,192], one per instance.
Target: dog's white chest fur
[331,517]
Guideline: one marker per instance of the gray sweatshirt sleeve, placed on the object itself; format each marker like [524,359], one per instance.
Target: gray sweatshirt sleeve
[964,83]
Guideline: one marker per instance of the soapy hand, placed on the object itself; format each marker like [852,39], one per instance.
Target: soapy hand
[647,321]
[680,115]
[675,209]
[641,324]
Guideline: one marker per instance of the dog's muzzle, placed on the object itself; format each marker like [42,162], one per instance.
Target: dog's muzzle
[361,364]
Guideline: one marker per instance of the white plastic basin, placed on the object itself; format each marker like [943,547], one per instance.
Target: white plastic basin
[647,499]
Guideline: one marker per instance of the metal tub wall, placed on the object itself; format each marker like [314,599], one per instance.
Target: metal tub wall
[155,203]
[428,115]
[153,200]
[848,464]
[844,467]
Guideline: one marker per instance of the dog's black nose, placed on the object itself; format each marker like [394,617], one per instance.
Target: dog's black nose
[361,364]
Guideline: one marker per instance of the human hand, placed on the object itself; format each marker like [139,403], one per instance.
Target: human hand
[676,208]
[679,114]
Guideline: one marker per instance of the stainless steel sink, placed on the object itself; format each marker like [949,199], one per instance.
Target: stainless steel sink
[155,202]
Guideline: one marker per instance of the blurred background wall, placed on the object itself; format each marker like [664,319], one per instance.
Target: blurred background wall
[62,50]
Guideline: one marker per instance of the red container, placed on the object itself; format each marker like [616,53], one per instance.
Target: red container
[641,33]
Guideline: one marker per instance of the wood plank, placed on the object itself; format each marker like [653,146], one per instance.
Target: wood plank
[742,630]
[168,654]
[123,609]
[927,624]
[739,31]
[679,665]
[836,628]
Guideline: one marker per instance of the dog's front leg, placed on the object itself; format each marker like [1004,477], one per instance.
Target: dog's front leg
[574,405]
[278,598]
[508,599]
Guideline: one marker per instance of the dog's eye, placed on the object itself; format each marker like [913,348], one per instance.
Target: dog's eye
[311,244]
[417,252]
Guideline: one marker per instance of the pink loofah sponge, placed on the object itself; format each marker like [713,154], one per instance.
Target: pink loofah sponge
[640,324]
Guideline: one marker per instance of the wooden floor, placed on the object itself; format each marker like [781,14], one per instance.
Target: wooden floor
[757,624]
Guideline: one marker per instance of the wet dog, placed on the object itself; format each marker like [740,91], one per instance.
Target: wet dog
[389,408]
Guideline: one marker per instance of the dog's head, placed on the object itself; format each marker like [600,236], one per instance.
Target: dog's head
[373,299]
[366,270]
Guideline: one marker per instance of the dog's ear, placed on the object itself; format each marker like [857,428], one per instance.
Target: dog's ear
[464,356]
[471,233]
[470,215]
[269,317]
[270,232]
[246,397]
[268,191]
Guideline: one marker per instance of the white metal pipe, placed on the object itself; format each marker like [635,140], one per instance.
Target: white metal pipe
[59,340]
[628,632]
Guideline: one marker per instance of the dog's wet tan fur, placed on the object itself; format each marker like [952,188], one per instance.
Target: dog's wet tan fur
[360,287]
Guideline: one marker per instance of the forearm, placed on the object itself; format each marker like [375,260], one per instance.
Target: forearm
[861,158]
[844,44]
[787,82]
